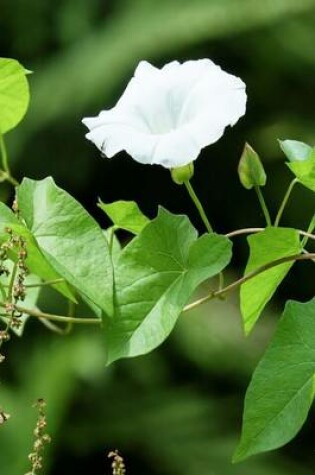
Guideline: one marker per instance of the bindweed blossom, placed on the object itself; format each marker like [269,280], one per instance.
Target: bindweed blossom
[166,116]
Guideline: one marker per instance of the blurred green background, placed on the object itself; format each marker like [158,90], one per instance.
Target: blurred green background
[178,410]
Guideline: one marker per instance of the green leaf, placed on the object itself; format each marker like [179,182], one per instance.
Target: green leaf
[281,391]
[296,151]
[14,94]
[250,169]
[305,171]
[125,215]
[155,276]
[266,246]
[302,161]
[36,261]
[115,247]
[69,238]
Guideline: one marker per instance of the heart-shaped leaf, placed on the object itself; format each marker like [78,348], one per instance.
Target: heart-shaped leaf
[282,388]
[305,171]
[266,246]
[125,215]
[14,94]
[69,238]
[296,151]
[155,276]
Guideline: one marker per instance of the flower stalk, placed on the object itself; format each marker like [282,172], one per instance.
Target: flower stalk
[198,205]
[263,205]
[284,201]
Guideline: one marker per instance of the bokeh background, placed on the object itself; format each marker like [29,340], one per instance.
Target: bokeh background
[178,410]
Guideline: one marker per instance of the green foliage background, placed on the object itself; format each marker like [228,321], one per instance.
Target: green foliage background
[178,410]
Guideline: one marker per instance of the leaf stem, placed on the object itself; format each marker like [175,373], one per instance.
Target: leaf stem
[198,205]
[5,163]
[284,201]
[56,318]
[111,233]
[263,205]
[52,327]
[4,155]
[308,234]
[48,282]
[250,275]
[43,284]
[221,281]
[71,314]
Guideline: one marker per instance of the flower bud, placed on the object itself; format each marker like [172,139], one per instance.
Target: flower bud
[250,169]
[182,174]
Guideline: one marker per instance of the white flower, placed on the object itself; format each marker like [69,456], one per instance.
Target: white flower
[166,116]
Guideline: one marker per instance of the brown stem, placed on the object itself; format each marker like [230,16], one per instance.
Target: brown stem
[239,232]
[250,275]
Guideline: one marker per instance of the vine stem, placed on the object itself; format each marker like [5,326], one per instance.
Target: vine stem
[215,294]
[52,327]
[250,275]
[56,318]
[47,282]
[284,201]
[308,253]
[239,232]
[263,205]
[198,205]
[5,162]
[43,284]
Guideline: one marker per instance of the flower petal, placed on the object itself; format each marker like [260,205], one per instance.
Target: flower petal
[111,139]
[166,116]
[218,95]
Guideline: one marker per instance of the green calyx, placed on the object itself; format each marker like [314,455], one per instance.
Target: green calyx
[180,175]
